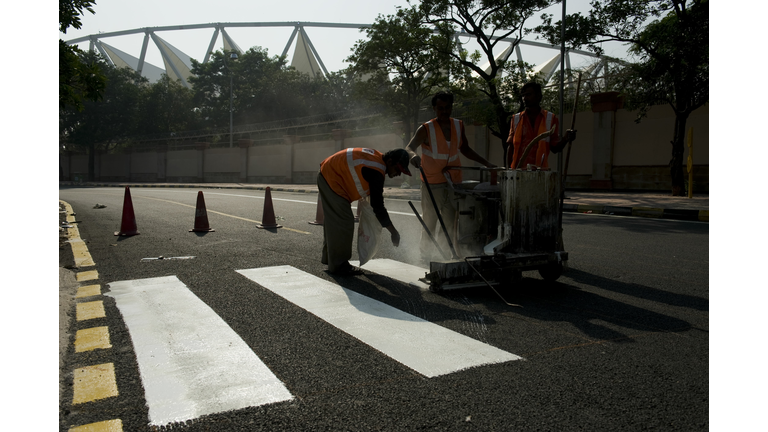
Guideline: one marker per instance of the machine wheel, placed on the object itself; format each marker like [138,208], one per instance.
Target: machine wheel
[551,272]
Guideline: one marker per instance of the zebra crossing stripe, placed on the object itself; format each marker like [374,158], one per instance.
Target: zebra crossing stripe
[399,271]
[191,362]
[425,347]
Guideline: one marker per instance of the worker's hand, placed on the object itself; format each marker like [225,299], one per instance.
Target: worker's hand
[395,235]
[570,135]
[416,161]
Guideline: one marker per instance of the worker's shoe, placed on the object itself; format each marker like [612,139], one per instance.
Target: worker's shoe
[347,270]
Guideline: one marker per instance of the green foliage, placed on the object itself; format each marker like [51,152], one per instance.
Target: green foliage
[113,117]
[395,66]
[167,106]
[263,89]
[70,11]
[486,21]
[670,39]
[78,81]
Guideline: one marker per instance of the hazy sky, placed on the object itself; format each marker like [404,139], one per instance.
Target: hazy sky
[333,44]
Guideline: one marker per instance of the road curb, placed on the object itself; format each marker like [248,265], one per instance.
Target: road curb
[648,212]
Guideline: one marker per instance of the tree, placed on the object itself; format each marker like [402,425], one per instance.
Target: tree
[263,88]
[109,120]
[487,21]
[78,80]
[396,66]
[673,50]
[166,106]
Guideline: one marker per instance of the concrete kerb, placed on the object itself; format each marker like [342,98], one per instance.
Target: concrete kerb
[415,195]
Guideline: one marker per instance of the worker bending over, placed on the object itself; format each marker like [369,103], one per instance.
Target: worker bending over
[441,139]
[526,125]
[346,176]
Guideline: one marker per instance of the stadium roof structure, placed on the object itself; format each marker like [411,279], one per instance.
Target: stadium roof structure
[306,58]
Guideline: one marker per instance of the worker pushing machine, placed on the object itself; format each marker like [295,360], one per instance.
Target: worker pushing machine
[441,139]
[350,175]
[531,122]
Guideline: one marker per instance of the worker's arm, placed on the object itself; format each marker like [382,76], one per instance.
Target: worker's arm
[418,138]
[375,181]
[470,154]
[570,136]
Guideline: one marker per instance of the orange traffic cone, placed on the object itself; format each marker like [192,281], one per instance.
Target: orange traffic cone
[268,220]
[128,225]
[201,216]
[319,216]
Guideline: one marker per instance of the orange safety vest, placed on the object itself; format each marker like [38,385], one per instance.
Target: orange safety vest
[542,151]
[343,171]
[437,154]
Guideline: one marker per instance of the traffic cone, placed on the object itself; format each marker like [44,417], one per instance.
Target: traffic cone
[201,216]
[268,220]
[128,225]
[319,216]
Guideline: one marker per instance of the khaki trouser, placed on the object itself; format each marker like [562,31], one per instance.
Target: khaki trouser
[338,227]
[445,202]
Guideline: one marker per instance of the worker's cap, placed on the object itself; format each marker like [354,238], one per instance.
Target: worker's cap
[402,159]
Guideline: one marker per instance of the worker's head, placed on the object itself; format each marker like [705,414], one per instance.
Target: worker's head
[442,103]
[531,94]
[397,162]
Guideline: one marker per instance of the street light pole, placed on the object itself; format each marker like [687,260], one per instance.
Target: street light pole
[230,109]
[232,56]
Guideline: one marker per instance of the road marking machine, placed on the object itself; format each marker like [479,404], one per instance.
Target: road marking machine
[504,226]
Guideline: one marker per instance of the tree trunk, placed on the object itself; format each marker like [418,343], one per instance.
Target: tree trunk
[676,165]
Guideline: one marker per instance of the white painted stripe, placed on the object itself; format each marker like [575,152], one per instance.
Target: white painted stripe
[425,347]
[396,270]
[191,362]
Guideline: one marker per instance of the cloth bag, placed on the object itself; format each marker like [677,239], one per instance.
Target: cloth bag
[368,232]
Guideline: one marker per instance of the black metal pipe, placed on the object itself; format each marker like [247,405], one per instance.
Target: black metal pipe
[437,211]
[434,242]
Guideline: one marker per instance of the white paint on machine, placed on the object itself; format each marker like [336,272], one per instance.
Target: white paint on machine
[425,347]
[191,362]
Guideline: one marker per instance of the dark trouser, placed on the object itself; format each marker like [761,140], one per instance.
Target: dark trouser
[338,227]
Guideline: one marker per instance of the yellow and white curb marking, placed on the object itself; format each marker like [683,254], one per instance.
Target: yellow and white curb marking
[96,382]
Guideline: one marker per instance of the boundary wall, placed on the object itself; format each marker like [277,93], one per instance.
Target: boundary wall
[611,152]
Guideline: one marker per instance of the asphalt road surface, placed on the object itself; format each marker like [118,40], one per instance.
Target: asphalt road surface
[242,328]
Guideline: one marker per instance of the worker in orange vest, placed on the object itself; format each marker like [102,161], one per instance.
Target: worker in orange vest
[350,175]
[441,140]
[526,125]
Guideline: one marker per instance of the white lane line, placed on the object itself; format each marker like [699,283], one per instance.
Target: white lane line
[396,270]
[191,362]
[425,347]
[275,199]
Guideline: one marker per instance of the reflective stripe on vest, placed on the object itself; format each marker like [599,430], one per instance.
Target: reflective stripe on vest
[442,154]
[356,174]
[540,151]
[343,171]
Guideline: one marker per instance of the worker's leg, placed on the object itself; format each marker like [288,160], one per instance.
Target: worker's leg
[338,227]
[444,199]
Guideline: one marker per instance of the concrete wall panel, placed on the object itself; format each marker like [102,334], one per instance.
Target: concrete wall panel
[222,160]
[141,163]
[182,163]
[269,161]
